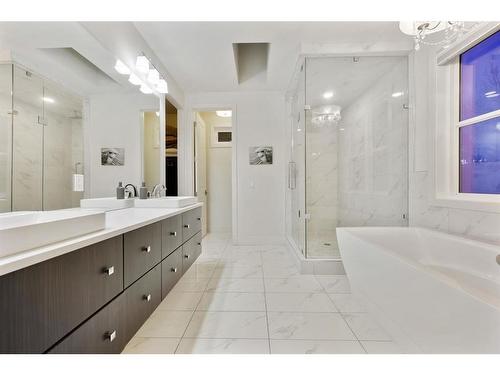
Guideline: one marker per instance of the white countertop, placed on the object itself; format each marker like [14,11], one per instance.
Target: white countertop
[117,222]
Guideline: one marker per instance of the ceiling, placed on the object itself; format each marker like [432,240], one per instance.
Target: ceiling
[201,57]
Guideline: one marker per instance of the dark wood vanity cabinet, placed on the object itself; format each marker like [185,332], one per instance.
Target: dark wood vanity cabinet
[42,303]
[94,299]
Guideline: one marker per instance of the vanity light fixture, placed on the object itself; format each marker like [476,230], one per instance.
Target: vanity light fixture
[142,64]
[145,89]
[397,94]
[224,113]
[328,95]
[433,33]
[153,76]
[162,86]
[48,100]
[121,68]
[133,79]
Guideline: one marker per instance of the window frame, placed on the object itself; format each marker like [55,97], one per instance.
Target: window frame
[447,138]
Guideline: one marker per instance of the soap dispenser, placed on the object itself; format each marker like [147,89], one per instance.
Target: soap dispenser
[143,191]
[120,191]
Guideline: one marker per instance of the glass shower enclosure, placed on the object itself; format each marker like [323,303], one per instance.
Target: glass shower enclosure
[41,143]
[348,149]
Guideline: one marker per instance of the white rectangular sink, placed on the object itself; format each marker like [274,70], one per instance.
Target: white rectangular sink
[110,203]
[166,202]
[20,231]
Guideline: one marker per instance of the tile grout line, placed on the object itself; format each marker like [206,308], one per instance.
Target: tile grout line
[265,305]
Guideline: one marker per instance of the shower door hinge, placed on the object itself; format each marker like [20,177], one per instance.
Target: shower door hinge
[307,107]
[307,216]
[405,216]
[42,121]
[406,106]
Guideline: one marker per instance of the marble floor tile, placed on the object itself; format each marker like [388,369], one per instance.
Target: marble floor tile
[180,301]
[299,302]
[201,269]
[235,285]
[244,272]
[247,325]
[223,346]
[335,284]
[311,326]
[190,285]
[346,302]
[274,270]
[365,327]
[382,347]
[299,284]
[316,347]
[241,259]
[151,345]
[232,302]
[164,323]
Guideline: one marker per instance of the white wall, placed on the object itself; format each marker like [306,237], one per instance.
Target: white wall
[258,200]
[423,209]
[115,121]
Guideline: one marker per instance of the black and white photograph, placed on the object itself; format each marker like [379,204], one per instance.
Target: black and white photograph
[112,156]
[260,155]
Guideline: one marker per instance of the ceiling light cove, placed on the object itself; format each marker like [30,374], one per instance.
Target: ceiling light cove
[224,113]
[121,68]
[328,95]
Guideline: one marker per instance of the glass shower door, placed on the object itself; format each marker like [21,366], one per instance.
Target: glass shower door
[5,136]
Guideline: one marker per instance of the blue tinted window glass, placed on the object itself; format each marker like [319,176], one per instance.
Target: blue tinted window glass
[480,78]
[480,157]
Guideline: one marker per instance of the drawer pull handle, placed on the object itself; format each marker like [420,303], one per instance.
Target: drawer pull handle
[173,269]
[111,336]
[146,249]
[146,297]
[186,226]
[173,234]
[187,256]
[109,270]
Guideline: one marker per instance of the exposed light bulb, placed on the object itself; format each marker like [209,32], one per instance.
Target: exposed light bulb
[133,79]
[145,89]
[153,76]
[162,87]
[328,95]
[142,64]
[157,113]
[121,68]
[397,94]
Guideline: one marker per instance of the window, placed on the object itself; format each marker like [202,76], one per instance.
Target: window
[479,118]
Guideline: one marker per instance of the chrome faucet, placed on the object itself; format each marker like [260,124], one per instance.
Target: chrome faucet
[157,190]
[130,193]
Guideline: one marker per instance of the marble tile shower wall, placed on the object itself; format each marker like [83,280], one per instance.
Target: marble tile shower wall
[372,158]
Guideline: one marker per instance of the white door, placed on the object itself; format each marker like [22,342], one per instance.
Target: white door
[200,160]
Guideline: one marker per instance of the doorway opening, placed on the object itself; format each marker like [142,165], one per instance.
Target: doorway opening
[213,169]
[171,149]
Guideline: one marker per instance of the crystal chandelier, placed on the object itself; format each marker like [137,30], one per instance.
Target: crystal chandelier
[326,115]
[433,33]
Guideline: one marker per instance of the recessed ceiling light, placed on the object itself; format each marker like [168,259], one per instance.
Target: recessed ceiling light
[142,64]
[133,79]
[397,94]
[145,89]
[162,87]
[48,100]
[153,76]
[121,68]
[328,95]
[224,113]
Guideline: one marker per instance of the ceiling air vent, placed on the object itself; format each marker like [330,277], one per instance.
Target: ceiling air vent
[251,61]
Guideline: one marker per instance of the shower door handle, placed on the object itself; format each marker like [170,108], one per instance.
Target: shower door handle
[292,175]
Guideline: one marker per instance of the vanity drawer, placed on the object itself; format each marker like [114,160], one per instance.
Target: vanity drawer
[171,229]
[190,251]
[104,333]
[191,223]
[171,271]
[42,303]
[141,299]
[142,251]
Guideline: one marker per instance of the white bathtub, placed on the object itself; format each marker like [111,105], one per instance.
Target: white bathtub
[434,292]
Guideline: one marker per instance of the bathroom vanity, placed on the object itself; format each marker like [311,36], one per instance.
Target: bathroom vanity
[92,293]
